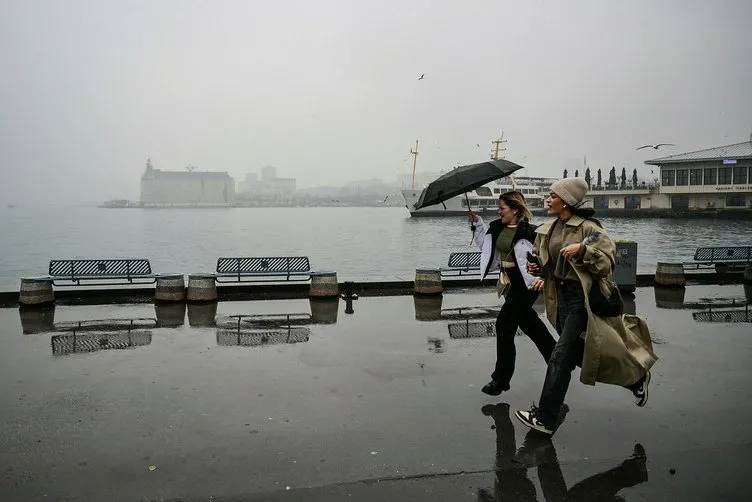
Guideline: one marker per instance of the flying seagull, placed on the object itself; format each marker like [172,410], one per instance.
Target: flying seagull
[655,147]
[421,76]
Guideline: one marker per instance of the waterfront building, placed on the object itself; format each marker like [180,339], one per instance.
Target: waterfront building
[710,179]
[185,188]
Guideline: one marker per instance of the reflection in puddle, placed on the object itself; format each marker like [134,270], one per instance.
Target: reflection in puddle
[170,315]
[469,329]
[427,307]
[538,451]
[107,324]
[436,345]
[93,341]
[324,310]
[37,319]
[201,315]
[737,315]
[263,320]
[669,298]
[253,338]
[252,330]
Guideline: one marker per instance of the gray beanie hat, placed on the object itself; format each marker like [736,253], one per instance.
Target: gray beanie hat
[571,190]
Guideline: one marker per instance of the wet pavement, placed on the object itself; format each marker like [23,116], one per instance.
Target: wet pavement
[298,400]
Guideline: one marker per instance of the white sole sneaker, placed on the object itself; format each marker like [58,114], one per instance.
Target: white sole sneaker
[532,422]
[643,400]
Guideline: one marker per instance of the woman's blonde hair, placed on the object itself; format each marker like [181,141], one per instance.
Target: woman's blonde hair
[516,201]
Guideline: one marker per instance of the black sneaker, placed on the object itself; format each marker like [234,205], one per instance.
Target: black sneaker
[530,419]
[494,388]
[641,391]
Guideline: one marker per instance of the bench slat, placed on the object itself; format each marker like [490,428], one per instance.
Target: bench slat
[291,268]
[264,265]
[724,254]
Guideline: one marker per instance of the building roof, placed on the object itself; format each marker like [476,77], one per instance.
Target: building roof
[735,151]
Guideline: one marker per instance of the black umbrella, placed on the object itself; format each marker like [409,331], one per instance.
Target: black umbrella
[463,179]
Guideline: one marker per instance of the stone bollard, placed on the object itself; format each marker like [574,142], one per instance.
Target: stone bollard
[324,285]
[36,291]
[170,314]
[747,274]
[427,308]
[427,281]
[202,315]
[202,288]
[670,274]
[324,310]
[170,288]
[38,319]
[625,271]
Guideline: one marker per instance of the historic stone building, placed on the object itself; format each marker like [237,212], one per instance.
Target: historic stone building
[186,188]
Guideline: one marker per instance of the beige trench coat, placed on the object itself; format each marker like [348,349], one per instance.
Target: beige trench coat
[618,350]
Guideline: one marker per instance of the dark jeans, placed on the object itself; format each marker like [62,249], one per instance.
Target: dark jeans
[571,322]
[517,311]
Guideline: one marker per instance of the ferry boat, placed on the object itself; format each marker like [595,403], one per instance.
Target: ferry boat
[485,199]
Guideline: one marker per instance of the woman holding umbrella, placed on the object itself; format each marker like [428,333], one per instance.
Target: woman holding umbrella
[504,245]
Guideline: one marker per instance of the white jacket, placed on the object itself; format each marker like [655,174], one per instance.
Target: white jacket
[483,241]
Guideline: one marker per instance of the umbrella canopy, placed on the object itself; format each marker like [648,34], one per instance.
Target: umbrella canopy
[463,179]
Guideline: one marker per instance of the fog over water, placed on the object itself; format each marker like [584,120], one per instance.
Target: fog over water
[328,91]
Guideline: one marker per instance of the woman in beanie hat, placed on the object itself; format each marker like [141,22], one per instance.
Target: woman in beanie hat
[575,255]
[503,247]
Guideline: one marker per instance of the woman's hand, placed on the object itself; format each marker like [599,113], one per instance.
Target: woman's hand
[471,216]
[537,285]
[533,268]
[571,250]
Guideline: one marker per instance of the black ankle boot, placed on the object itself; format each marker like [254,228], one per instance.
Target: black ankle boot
[494,388]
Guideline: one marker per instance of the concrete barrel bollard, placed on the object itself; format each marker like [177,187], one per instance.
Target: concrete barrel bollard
[670,274]
[324,310]
[202,288]
[202,315]
[427,308]
[747,274]
[170,288]
[625,271]
[36,291]
[324,285]
[170,315]
[38,319]
[428,281]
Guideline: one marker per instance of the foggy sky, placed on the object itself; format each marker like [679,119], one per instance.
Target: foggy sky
[327,91]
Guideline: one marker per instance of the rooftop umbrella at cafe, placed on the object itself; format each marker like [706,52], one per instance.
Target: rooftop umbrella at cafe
[462,179]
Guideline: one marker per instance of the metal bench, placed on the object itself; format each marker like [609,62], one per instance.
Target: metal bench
[263,269]
[723,259]
[99,272]
[463,264]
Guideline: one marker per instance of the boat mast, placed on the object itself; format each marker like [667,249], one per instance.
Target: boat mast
[498,153]
[414,153]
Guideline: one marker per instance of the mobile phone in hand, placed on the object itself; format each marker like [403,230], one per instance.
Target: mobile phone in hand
[531,258]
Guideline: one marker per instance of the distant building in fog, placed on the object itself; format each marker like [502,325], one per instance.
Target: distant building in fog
[187,187]
[268,188]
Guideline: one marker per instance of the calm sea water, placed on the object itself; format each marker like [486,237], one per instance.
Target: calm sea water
[359,243]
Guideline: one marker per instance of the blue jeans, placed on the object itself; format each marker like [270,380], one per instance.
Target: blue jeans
[571,323]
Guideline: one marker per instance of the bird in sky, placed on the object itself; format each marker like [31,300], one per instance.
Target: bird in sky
[655,147]
[421,76]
